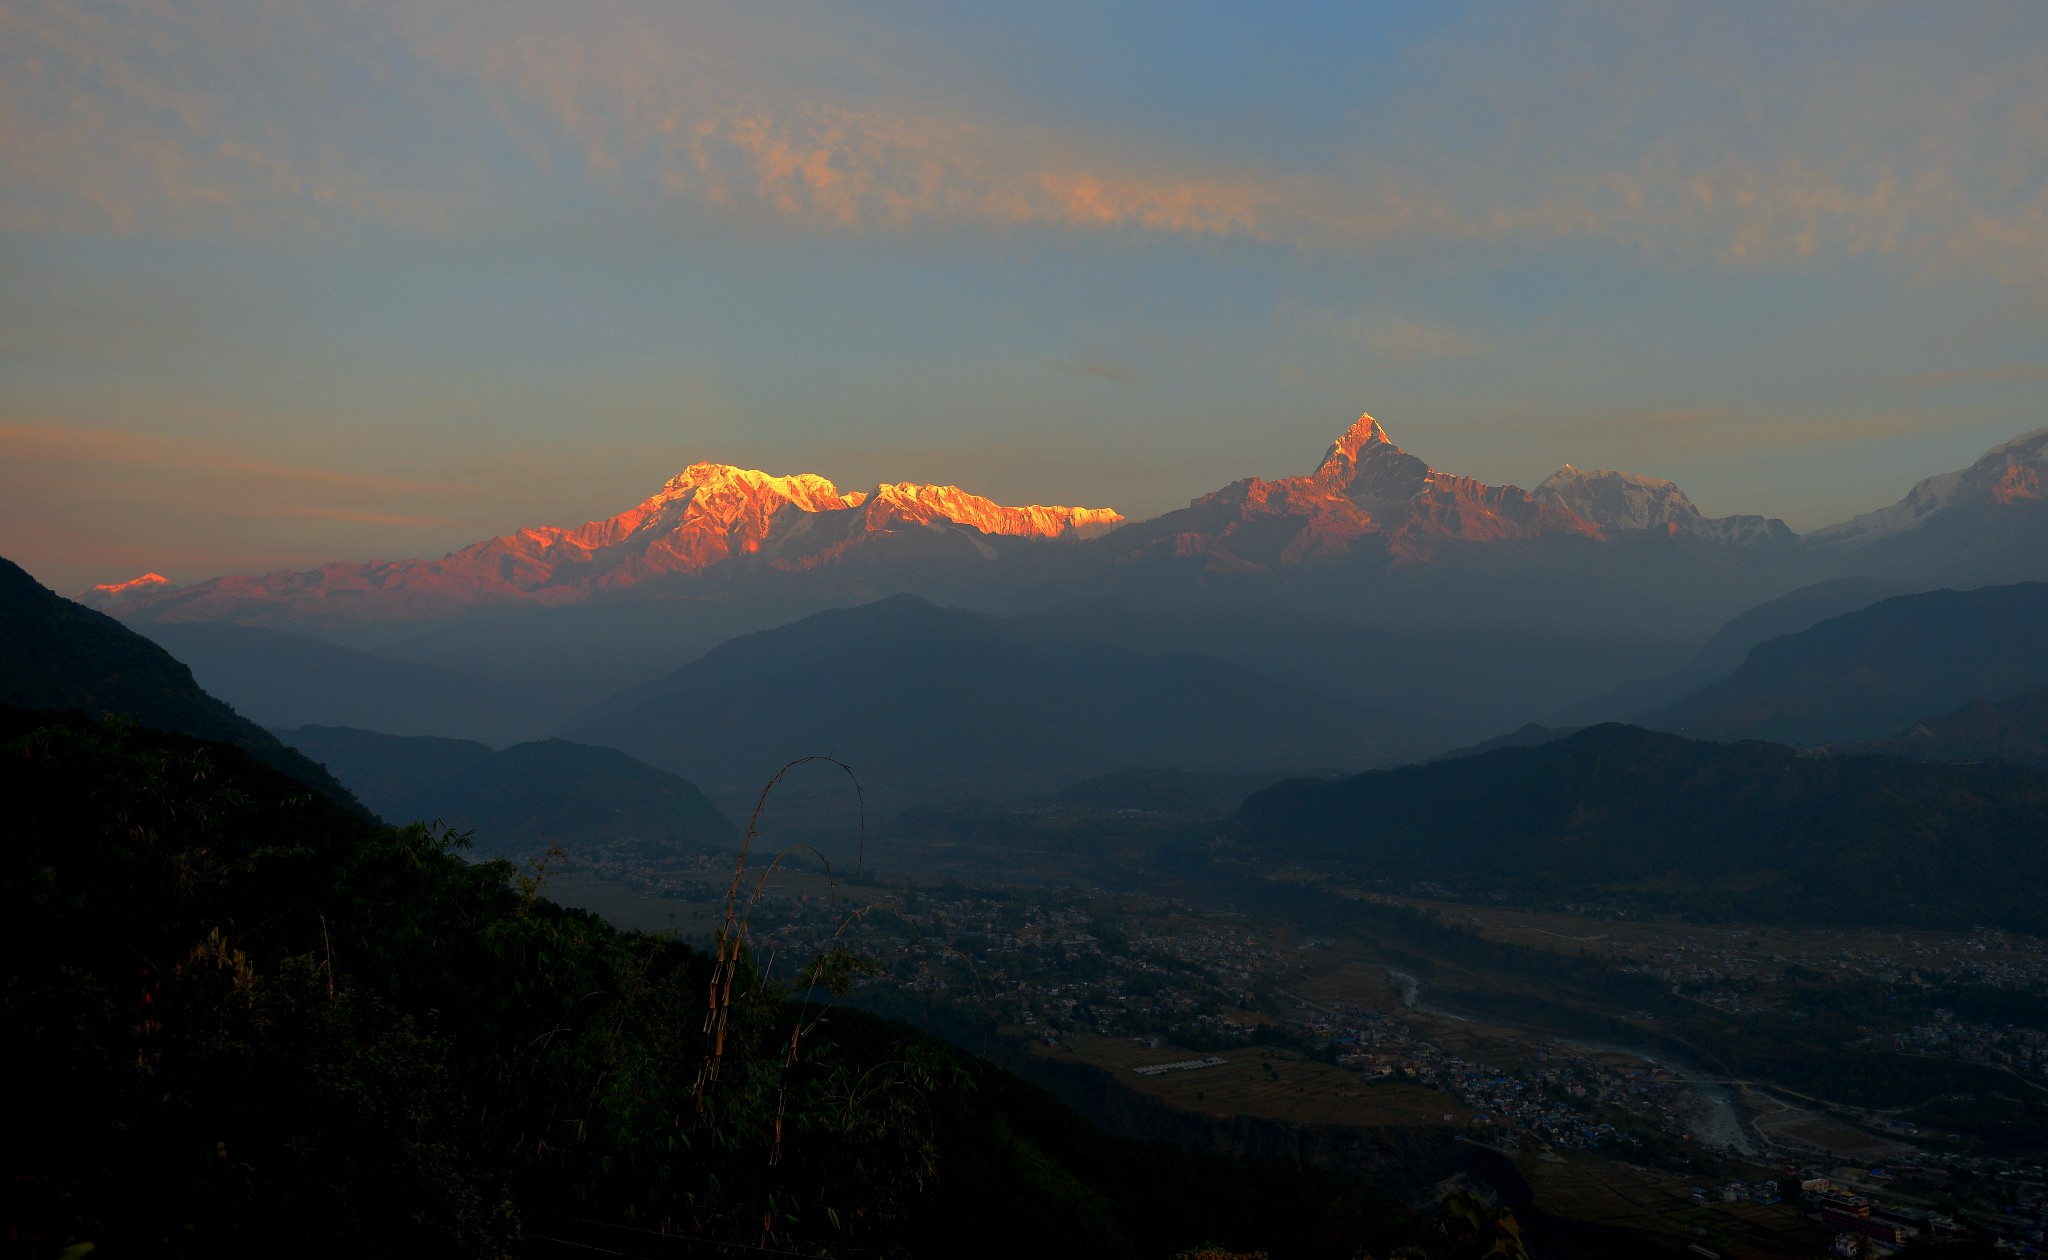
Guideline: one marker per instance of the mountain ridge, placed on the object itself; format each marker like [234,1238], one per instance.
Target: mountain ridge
[915,695]
[1864,675]
[57,655]
[706,517]
[1366,494]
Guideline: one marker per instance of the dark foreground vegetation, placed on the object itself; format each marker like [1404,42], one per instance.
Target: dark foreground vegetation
[242,1019]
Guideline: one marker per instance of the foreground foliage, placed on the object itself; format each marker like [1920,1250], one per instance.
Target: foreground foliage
[250,1015]
[248,1021]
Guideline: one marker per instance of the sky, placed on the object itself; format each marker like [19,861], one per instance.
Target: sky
[284,283]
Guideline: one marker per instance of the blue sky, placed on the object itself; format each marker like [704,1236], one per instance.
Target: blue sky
[283,283]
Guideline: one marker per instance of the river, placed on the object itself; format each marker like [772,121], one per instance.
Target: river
[1716,1115]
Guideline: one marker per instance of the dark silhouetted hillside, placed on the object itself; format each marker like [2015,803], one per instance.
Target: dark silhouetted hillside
[59,655]
[1748,828]
[2014,730]
[256,1024]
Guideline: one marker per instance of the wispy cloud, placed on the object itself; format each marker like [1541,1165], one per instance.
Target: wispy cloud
[1652,129]
[154,116]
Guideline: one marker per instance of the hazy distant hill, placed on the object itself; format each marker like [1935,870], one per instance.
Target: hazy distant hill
[523,798]
[1868,674]
[1749,828]
[281,678]
[1164,791]
[942,700]
[2014,730]
[55,654]
[1724,652]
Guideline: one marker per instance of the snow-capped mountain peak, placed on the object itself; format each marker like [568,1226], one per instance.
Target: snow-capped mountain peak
[1618,499]
[1631,501]
[2011,472]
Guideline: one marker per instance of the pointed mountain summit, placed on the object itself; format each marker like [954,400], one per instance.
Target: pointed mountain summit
[1619,500]
[1367,493]
[706,520]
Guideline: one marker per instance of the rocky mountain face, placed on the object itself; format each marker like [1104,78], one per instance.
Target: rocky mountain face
[1367,496]
[2008,474]
[1983,524]
[1619,500]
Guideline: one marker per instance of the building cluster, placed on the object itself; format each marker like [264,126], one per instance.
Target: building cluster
[2022,1050]
[1051,962]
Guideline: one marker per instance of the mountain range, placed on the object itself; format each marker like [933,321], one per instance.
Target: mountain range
[1367,494]
[1374,579]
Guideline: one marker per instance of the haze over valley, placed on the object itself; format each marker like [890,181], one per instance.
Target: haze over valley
[653,628]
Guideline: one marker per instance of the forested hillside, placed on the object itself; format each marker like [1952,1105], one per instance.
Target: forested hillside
[257,1024]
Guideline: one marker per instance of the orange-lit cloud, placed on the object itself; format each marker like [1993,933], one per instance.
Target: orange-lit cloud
[159,117]
[153,116]
[90,504]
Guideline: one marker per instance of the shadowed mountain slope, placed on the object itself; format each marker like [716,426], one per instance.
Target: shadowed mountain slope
[1754,828]
[2014,730]
[523,798]
[1720,655]
[1868,674]
[943,700]
[55,654]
